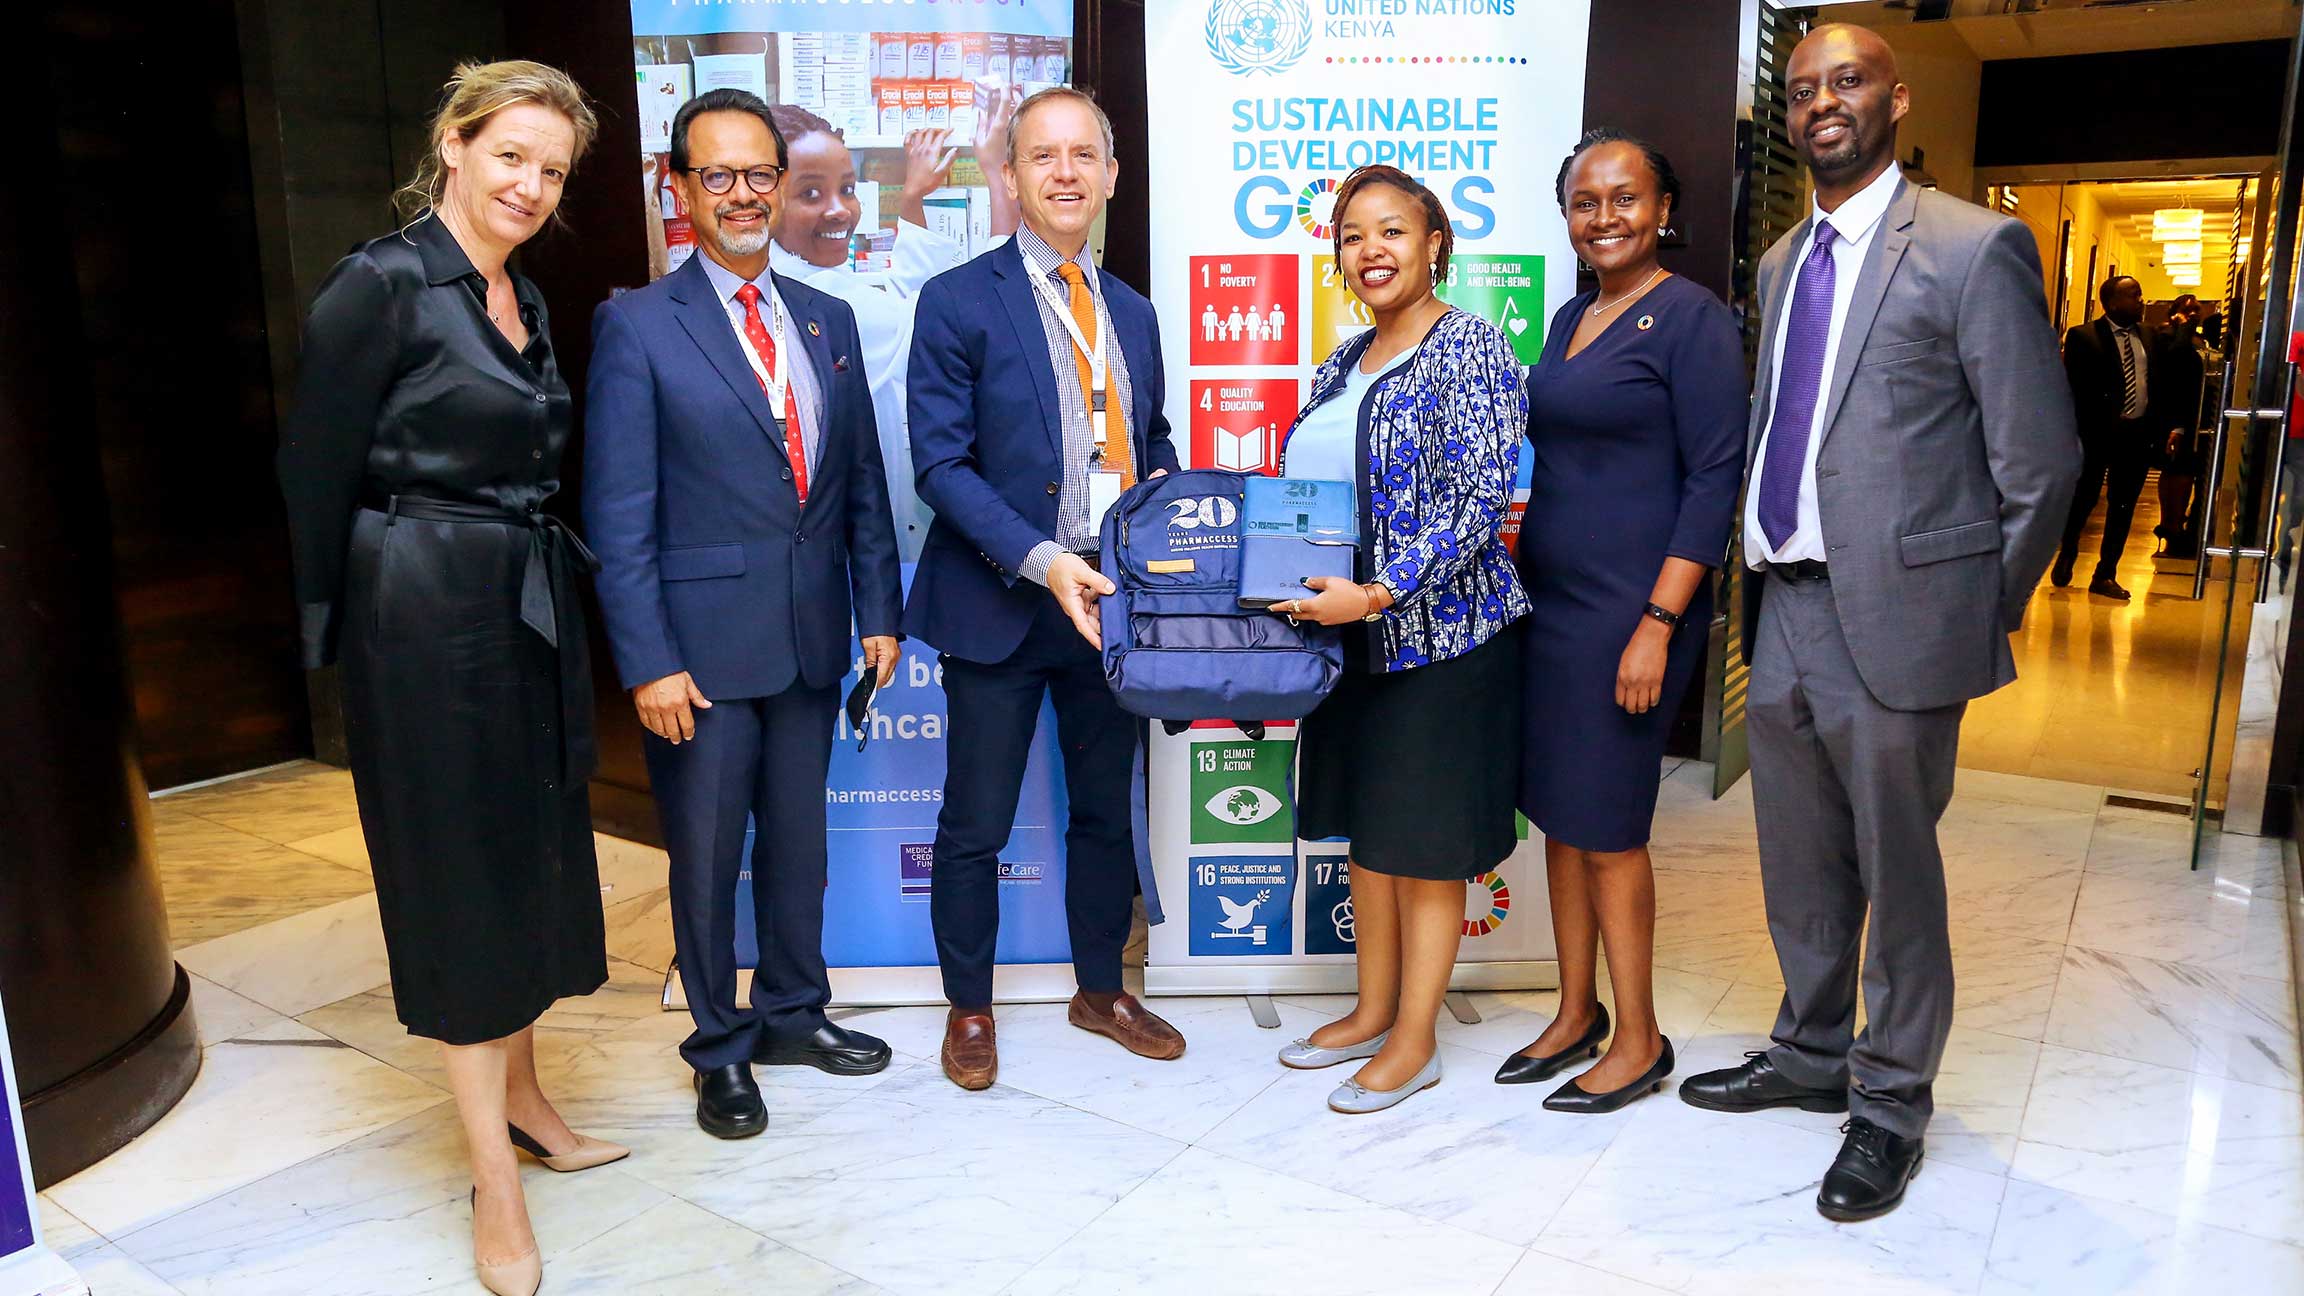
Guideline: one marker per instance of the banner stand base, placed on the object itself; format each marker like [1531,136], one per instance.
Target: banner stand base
[1331,978]
[39,1272]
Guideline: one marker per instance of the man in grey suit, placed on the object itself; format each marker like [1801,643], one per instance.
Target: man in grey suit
[1911,453]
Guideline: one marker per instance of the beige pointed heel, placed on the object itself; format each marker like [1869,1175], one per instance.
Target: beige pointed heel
[589,1151]
[522,1275]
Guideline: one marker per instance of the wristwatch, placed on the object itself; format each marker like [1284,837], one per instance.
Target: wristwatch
[1375,613]
[1665,615]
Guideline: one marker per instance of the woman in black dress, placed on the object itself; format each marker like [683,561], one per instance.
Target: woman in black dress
[1636,419]
[427,431]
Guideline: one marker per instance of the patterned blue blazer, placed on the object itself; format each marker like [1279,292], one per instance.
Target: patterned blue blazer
[1440,438]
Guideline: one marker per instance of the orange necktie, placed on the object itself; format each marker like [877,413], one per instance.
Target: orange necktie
[1117,456]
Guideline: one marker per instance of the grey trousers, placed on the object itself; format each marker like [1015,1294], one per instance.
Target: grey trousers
[1847,794]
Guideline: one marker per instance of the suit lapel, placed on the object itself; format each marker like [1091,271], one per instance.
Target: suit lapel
[1012,280]
[808,322]
[707,323]
[1772,296]
[1136,350]
[1871,287]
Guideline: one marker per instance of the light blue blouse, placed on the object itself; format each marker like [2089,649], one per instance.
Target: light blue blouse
[1320,449]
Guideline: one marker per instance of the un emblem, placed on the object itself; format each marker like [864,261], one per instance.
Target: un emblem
[1250,36]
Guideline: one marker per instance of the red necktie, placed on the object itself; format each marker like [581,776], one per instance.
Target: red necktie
[764,346]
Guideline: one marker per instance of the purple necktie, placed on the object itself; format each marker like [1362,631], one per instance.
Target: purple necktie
[1796,390]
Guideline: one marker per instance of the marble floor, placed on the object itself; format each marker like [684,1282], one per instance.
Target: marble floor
[2110,693]
[2120,1110]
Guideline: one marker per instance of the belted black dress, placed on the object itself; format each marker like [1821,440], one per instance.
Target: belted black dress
[416,461]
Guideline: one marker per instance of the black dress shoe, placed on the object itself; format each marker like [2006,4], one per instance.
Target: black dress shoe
[1572,1097]
[830,1047]
[1523,1069]
[1868,1178]
[2107,588]
[728,1102]
[1755,1085]
[2061,574]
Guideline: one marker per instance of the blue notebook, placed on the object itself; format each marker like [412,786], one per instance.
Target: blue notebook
[1292,528]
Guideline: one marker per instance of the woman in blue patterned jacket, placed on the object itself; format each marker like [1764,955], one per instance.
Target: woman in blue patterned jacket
[1415,756]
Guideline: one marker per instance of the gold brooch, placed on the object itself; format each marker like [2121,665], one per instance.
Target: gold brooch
[1645,323]
[814,331]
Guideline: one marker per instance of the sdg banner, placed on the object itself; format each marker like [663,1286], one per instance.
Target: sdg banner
[1264,107]
[1253,910]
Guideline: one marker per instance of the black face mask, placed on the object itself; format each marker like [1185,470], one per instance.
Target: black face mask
[860,705]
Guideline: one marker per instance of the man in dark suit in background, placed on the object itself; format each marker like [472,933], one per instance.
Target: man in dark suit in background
[1035,398]
[733,489]
[2179,372]
[2109,365]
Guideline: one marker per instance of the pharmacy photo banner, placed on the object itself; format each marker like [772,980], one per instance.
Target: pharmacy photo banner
[1262,108]
[894,115]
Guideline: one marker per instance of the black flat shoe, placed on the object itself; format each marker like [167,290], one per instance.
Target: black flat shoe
[830,1047]
[1572,1097]
[728,1102]
[1523,1069]
[1868,1178]
[1755,1085]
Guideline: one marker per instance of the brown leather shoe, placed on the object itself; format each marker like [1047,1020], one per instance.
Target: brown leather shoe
[971,1060]
[1137,1028]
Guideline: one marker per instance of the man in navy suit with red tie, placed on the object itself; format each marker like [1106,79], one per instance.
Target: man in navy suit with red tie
[733,490]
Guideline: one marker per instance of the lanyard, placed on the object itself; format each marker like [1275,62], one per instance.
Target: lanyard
[779,380]
[1099,369]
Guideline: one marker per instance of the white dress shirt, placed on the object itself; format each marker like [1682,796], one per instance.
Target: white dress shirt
[1855,222]
[884,302]
[807,387]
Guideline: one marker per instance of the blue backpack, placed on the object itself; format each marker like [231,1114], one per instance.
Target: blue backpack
[1177,644]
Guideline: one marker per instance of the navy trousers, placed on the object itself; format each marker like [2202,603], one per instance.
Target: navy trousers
[766,757]
[994,710]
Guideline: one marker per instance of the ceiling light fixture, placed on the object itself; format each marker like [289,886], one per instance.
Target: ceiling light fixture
[2177,223]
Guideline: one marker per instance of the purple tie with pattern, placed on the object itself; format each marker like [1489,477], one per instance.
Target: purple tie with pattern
[1796,391]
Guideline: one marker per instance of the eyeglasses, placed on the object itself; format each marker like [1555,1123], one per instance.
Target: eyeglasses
[720,179]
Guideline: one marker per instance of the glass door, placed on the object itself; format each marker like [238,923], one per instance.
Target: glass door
[2243,569]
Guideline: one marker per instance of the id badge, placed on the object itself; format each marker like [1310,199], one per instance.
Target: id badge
[1103,493]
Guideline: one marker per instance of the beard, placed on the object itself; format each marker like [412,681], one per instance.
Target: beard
[1833,159]
[734,244]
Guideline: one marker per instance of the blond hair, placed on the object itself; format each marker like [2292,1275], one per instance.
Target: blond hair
[477,92]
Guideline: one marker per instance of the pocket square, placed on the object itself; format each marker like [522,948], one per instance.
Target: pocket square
[840,365]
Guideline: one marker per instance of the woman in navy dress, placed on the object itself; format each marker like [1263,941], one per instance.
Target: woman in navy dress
[1636,423]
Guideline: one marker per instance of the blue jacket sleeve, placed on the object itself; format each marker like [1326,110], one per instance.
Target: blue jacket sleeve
[1476,431]
[1159,446]
[1709,411]
[940,400]
[620,497]
[875,586]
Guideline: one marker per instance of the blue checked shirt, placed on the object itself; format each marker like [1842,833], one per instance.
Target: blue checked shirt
[1073,534]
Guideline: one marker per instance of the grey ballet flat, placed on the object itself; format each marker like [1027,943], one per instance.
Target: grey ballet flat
[1304,1055]
[1355,1099]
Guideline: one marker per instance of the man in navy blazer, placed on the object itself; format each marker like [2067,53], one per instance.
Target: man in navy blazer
[1035,396]
[733,490]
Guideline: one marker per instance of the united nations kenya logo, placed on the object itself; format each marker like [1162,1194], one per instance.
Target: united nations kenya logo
[1250,36]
